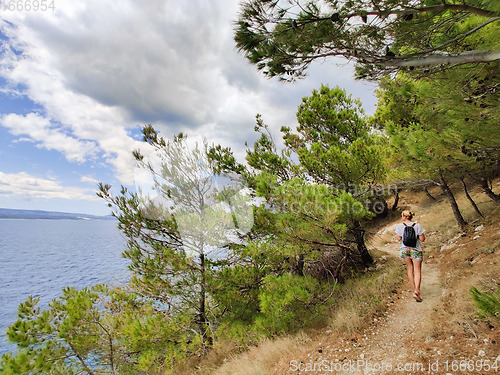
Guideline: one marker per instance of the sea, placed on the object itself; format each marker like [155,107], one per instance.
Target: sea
[41,257]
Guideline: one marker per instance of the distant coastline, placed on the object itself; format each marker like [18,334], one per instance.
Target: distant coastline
[7,213]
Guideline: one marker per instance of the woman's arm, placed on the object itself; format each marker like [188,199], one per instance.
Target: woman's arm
[422,237]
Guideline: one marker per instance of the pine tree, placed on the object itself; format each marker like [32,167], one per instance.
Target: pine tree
[335,147]
[438,132]
[94,330]
[282,38]
[177,231]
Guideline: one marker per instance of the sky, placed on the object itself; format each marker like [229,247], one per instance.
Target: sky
[78,82]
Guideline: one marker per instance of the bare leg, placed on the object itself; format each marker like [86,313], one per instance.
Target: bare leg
[411,277]
[417,272]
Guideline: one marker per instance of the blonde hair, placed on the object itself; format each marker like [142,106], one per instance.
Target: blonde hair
[408,214]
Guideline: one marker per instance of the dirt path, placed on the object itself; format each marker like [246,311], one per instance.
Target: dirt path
[430,337]
[396,343]
[393,344]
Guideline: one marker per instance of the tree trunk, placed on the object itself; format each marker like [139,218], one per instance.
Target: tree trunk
[453,203]
[359,236]
[473,204]
[298,267]
[484,184]
[429,195]
[396,200]
[202,316]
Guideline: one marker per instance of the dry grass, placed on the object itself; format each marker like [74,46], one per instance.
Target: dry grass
[465,259]
[362,298]
[259,360]
[472,260]
[358,301]
[229,357]
[468,261]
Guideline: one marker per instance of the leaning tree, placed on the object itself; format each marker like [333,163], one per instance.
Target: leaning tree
[284,37]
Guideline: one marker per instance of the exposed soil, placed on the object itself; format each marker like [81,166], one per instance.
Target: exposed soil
[441,334]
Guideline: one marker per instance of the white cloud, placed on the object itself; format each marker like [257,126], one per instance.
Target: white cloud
[97,68]
[40,130]
[88,179]
[25,186]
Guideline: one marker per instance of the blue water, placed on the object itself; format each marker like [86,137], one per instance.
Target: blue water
[41,257]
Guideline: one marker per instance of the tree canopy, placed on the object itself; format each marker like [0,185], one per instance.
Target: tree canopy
[332,149]
[444,129]
[284,37]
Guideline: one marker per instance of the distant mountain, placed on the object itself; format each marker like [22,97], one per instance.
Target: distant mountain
[7,213]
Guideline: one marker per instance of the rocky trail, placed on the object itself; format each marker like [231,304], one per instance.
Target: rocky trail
[401,340]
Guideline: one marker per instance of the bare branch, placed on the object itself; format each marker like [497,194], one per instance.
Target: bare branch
[459,7]
[438,59]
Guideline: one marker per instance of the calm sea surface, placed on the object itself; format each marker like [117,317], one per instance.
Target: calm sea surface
[41,257]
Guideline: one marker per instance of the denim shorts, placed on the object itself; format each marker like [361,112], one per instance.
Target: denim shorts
[410,252]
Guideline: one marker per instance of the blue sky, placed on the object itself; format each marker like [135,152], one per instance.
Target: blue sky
[78,83]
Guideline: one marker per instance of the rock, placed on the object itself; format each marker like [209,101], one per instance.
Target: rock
[479,228]
[446,247]
[454,239]
[481,353]
[476,237]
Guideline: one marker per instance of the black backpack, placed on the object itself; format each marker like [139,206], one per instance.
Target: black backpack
[409,236]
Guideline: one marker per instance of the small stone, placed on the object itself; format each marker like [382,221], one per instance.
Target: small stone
[362,356]
[479,228]
[444,247]
[481,353]
[476,237]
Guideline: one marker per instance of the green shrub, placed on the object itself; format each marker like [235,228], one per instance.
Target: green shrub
[487,303]
[288,302]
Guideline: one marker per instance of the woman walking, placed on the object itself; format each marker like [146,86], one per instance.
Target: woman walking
[411,235]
